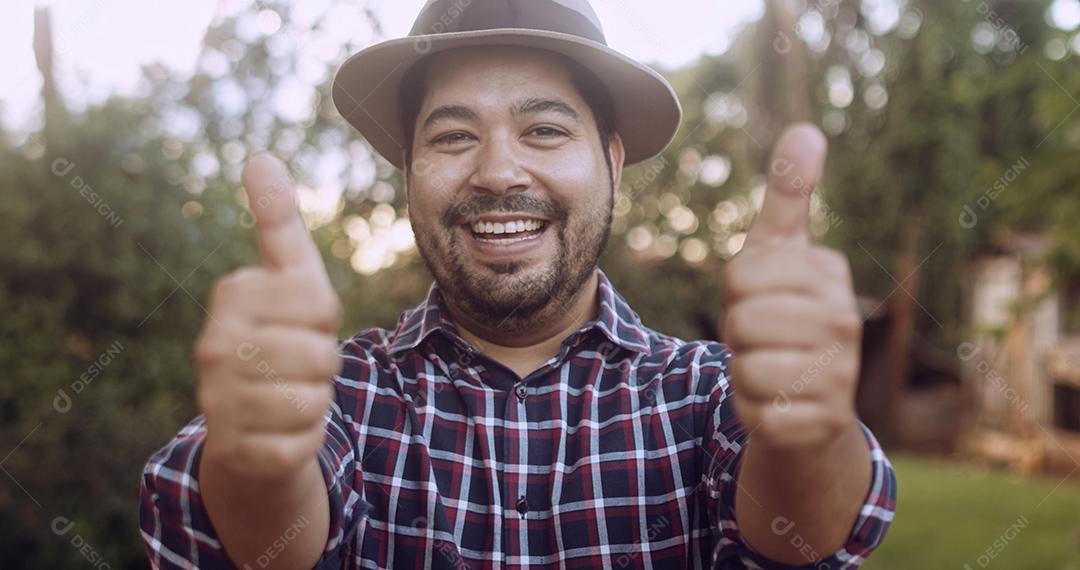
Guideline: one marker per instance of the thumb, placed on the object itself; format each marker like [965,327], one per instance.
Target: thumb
[284,241]
[795,170]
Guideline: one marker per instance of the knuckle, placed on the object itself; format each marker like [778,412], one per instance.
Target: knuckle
[742,376]
[731,278]
[832,262]
[221,446]
[727,330]
[845,324]
[735,371]
[736,322]
[327,309]
[749,412]
[838,372]
[319,299]
[330,360]
[234,283]
[315,403]
[233,286]
[212,349]
[208,401]
[849,369]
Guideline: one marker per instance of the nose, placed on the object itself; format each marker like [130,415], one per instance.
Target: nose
[499,168]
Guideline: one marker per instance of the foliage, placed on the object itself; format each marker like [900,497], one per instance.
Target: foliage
[97,332]
[118,243]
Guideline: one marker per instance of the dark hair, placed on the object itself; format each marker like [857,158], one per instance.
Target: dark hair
[596,96]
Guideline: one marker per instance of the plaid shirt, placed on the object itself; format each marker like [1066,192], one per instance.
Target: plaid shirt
[616,453]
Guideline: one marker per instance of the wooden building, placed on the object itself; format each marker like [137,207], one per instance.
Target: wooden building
[1021,368]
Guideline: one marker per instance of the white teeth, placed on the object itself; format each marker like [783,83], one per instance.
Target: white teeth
[515,226]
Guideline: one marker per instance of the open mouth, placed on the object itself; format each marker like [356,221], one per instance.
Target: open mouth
[504,233]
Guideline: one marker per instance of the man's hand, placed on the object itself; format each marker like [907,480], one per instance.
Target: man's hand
[268,352]
[791,320]
[266,359]
[795,332]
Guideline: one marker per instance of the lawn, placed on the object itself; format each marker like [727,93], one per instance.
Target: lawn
[957,516]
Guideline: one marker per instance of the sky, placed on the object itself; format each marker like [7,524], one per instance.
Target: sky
[101,44]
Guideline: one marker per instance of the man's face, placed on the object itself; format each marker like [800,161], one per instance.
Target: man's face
[505,143]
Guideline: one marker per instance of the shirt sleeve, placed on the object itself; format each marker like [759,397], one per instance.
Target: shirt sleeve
[723,447]
[176,528]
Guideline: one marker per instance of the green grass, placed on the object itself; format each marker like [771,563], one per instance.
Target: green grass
[949,515]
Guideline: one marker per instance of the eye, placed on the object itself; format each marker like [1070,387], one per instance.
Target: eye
[451,138]
[548,132]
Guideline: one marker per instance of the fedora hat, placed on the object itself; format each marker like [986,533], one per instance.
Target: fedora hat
[366,87]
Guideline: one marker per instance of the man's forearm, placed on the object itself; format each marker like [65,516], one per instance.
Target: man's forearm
[798,505]
[279,524]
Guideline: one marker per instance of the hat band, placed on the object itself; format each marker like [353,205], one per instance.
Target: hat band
[447,16]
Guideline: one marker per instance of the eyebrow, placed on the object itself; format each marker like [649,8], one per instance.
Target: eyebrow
[450,112]
[534,105]
[530,106]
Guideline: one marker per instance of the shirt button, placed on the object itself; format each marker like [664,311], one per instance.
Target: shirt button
[522,391]
[522,506]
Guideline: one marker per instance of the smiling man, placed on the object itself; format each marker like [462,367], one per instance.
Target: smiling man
[522,415]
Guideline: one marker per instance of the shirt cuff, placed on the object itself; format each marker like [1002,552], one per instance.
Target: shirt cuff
[175,526]
[178,531]
[347,507]
[879,507]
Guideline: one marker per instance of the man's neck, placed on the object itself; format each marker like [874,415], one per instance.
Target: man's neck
[524,350]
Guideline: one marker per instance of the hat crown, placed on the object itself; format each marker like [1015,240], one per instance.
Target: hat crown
[574,17]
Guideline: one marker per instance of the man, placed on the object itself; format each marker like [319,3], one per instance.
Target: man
[522,415]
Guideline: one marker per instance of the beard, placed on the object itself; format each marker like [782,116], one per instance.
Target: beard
[509,295]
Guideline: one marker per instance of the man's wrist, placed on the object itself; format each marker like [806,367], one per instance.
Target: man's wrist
[244,486]
[777,433]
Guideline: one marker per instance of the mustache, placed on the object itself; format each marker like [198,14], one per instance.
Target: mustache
[514,203]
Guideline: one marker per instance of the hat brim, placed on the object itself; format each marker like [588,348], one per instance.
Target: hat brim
[366,87]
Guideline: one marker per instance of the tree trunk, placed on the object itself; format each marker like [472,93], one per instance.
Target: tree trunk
[55,113]
[902,312]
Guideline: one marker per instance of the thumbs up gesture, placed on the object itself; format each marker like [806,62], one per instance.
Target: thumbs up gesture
[268,351]
[792,321]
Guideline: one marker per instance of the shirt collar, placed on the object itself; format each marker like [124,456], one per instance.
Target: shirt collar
[418,323]
[615,319]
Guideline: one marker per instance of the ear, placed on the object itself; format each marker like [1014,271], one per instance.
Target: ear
[618,160]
